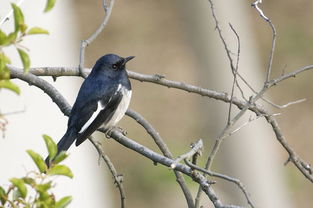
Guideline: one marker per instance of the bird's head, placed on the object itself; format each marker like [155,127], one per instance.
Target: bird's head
[112,62]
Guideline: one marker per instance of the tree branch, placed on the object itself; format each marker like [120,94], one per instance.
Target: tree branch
[195,149]
[118,179]
[225,177]
[117,136]
[85,43]
[274,33]
[164,149]
[157,79]
[157,158]
[160,80]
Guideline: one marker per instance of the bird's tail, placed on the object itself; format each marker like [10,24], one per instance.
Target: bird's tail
[65,143]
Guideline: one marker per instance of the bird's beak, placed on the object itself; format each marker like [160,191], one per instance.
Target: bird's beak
[128,59]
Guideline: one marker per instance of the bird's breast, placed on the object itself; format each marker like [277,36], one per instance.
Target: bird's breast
[122,107]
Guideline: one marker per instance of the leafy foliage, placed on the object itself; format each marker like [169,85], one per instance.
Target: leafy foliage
[34,189]
[15,38]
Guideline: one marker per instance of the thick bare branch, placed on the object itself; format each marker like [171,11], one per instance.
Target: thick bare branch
[45,86]
[119,137]
[160,80]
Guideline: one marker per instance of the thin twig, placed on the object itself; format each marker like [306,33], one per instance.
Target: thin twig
[221,136]
[294,158]
[267,100]
[289,75]
[225,177]
[85,43]
[274,33]
[234,74]
[13,112]
[284,105]
[245,124]
[118,179]
[195,149]
[255,5]
[270,63]
[221,36]
[7,17]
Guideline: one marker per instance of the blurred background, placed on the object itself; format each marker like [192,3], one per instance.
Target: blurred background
[176,39]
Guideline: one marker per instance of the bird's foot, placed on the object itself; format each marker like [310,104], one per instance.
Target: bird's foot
[109,132]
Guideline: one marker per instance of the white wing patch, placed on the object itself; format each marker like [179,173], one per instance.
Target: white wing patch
[92,118]
[118,88]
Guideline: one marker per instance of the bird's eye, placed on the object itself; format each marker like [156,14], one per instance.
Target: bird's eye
[114,66]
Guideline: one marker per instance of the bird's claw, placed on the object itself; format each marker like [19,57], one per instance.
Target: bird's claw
[109,132]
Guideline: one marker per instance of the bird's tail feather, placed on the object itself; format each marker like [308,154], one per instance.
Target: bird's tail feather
[65,143]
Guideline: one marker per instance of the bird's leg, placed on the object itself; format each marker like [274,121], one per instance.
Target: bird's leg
[110,130]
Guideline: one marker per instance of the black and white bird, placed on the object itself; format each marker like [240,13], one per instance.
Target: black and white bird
[101,102]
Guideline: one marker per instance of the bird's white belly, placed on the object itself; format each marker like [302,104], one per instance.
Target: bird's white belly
[121,109]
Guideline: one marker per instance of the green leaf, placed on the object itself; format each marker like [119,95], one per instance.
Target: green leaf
[37,30]
[3,196]
[2,64]
[18,17]
[40,163]
[25,59]
[29,181]
[4,71]
[23,28]
[60,157]
[51,146]
[49,5]
[60,170]
[10,39]
[20,185]
[6,59]
[3,37]
[62,203]
[44,196]
[10,86]
[44,187]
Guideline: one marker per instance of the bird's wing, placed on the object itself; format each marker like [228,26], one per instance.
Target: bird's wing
[103,113]
[86,102]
